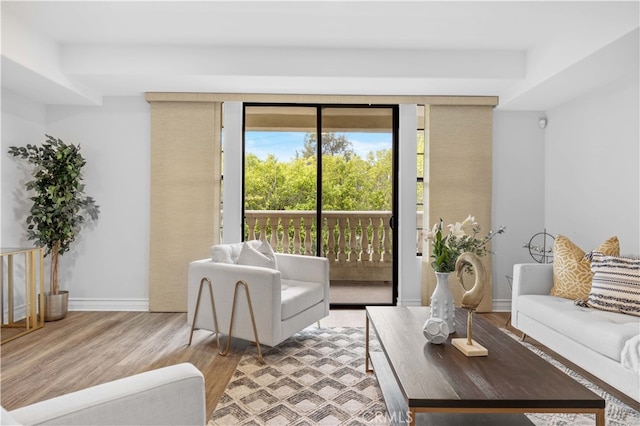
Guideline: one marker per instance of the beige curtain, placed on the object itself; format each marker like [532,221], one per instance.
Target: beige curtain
[185,195]
[458,182]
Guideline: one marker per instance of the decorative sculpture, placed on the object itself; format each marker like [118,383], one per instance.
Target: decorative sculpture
[470,300]
[435,330]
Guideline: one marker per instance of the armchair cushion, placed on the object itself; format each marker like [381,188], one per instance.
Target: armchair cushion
[298,296]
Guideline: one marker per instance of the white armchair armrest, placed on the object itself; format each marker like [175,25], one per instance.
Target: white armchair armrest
[167,396]
[306,268]
[303,268]
[265,292]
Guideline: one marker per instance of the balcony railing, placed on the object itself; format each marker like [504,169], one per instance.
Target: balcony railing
[358,244]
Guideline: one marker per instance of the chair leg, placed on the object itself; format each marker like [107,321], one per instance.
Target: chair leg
[213,308]
[253,321]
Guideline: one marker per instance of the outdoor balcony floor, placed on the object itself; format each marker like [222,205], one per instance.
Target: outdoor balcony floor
[360,292]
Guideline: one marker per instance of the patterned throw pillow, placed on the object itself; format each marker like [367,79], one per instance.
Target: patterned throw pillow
[616,284]
[572,271]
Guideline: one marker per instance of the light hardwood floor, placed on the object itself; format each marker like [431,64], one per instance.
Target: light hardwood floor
[89,348]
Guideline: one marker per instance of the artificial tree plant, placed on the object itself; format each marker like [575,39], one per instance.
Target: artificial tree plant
[60,205]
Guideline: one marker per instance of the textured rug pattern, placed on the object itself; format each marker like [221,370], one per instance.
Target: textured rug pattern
[317,377]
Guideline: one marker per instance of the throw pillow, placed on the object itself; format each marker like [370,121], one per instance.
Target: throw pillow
[572,271]
[254,253]
[226,253]
[616,284]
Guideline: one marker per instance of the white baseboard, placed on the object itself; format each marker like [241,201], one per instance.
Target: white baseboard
[409,302]
[89,304]
[501,305]
[19,313]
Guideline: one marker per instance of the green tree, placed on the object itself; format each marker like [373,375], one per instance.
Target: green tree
[332,144]
[349,181]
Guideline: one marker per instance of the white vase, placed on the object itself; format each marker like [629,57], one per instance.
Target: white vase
[442,305]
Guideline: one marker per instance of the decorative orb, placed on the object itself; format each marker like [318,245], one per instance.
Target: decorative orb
[435,330]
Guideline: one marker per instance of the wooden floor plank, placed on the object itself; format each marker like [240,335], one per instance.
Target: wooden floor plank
[89,348]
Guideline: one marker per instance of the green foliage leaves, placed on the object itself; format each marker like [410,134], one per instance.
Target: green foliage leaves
[59,205]
[332,144]
[350,183]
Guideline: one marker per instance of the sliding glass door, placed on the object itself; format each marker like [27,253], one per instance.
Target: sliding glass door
[319,181]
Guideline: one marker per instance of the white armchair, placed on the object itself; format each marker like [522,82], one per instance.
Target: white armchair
[285,300]
[166,396]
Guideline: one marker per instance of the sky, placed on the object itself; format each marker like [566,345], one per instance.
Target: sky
[284,144]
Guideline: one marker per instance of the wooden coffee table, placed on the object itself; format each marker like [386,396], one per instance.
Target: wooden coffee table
[417,377]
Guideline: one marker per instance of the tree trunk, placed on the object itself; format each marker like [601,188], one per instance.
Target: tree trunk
[55,256]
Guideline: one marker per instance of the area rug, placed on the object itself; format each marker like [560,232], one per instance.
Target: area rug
[317,377]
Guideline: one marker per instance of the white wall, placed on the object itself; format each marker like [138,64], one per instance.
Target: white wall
[23,121]
[518,193]
[592,159]
[107,266]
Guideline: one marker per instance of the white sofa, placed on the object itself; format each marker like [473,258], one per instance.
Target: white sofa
[285,300]
[172,395]
[595,340]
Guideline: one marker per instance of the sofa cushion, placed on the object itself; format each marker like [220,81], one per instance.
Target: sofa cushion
[256,253]
[298,296]
[604,332]
[571,270]
[616,284]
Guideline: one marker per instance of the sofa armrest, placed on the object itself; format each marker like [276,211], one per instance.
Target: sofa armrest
[166,396]
[529,278]
[532,278]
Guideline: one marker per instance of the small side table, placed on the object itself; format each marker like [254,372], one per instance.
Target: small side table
[33,273]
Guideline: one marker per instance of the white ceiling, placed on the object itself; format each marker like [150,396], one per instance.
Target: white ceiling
[533,55]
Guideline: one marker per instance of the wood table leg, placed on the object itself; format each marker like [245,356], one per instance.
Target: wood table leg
[412,416]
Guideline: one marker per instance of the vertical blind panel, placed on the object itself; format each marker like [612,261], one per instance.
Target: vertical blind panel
[459,181]
[185,196]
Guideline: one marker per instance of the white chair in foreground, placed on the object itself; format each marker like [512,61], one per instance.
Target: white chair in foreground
[255,294]
[167,396]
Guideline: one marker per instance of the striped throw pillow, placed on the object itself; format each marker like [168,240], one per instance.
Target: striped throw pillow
[616,284]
